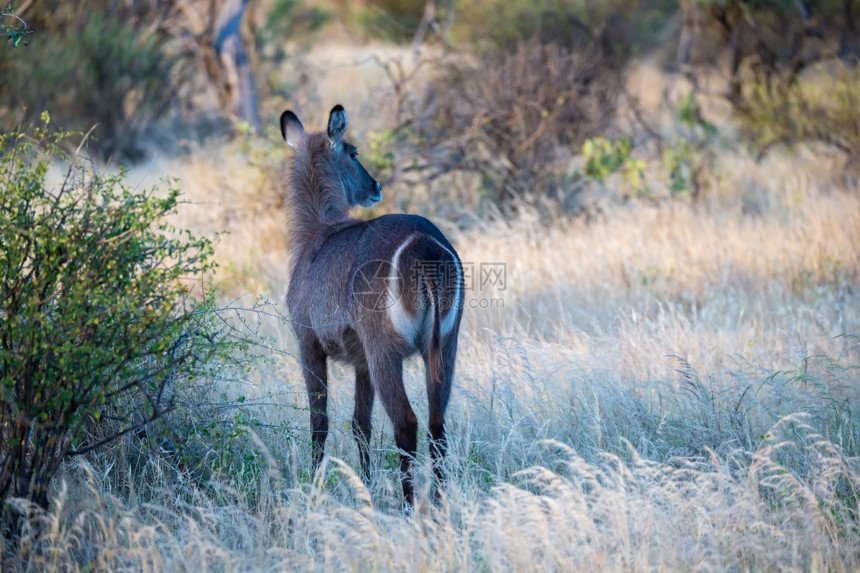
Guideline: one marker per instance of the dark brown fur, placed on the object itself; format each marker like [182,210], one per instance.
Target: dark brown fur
[341,271]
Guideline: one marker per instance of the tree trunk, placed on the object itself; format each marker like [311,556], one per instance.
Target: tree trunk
[848,44]
[235,78]
[427,19]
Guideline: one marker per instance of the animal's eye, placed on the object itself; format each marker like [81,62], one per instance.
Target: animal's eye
[353,154]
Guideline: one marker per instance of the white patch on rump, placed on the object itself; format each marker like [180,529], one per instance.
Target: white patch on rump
[410,324]
[404,323]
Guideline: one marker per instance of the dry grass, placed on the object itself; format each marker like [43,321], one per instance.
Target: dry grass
[669,387]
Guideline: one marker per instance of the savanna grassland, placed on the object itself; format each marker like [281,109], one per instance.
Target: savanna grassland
[655,382]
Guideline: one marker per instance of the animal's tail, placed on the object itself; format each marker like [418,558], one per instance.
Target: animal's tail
[435,351]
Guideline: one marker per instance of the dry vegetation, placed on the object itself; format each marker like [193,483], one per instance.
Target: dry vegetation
[669,386]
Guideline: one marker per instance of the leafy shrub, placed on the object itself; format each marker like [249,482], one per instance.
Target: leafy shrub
[766,37]
[792,73]
[691,155]
[13,27]
[103,72]
[97,327]
[820,106]
[394,20]
[499,25]
[291,18]
[603,158]
[677,160]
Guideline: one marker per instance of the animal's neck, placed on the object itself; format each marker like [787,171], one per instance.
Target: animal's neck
[315,202]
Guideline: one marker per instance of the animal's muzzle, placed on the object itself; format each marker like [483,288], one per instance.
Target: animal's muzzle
[376,197]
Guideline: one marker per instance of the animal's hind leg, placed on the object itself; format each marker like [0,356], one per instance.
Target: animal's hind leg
[361,416]
[438,395]
[386,374]
[313,361]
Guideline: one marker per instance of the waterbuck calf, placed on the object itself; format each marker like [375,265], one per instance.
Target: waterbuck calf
[368,293]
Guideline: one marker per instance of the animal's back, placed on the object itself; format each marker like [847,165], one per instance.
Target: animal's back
[398,226]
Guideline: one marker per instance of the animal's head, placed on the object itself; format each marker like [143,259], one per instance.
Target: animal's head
[333,158]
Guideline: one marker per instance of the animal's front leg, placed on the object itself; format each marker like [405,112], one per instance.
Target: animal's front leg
[313,360]
[361,417]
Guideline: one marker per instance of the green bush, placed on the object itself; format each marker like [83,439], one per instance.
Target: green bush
[394,20]
[290,19]
[603,158]
[13,27]
[623,25]
[98,329]
[101,72]
[501,25]
[823,105]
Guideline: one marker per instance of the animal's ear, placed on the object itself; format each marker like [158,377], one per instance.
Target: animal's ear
[337,125]
[292,129]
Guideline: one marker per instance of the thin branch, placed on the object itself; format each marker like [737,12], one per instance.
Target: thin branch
[156,415]
[8,13]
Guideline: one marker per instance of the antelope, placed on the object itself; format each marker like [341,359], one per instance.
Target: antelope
[369,294]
